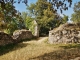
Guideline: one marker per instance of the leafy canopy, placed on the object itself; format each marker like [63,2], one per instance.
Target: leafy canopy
[59,4]
[76,15]
[44,14]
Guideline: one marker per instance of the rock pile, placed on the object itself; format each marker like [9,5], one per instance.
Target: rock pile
[66,33]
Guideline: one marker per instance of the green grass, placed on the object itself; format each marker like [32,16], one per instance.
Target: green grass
[10,47]
[5,49]
[33,50]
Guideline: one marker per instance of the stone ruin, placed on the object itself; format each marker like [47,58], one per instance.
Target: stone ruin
[5,39]
[66,33]
[18,36]
[22,34]
[36,29]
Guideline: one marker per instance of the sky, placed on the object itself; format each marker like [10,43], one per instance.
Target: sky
[22,7]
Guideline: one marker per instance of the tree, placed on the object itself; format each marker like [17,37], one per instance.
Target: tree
[64,19]
[45,15]
[24,15]
[43,9]
[59,4]
[28,22]
[3,2]
[10,19]
[75,17]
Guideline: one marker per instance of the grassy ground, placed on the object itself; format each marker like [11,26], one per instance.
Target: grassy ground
[39,50]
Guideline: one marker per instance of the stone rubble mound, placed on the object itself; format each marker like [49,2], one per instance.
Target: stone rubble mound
[66,33]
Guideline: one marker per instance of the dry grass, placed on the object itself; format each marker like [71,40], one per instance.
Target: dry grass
[41,50]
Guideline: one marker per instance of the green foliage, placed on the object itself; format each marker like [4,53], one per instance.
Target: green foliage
[60,4]
[57,4]
[11,26]
[24,15]
[46,21]
[65,19]
[44,12]
[31,9]
[10,20]
[44,15]
[76,15]
[29,24]
[7,15]
[28,21]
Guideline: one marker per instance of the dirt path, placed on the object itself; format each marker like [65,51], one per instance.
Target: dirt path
[38,41]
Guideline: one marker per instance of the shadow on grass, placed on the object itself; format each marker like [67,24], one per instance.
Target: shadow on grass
[71,46]
[59,55]
[11,47]
[65,53]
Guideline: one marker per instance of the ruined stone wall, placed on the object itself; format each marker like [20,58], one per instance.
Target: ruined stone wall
[18,36]
[22,34]
[64,34]
[5,39]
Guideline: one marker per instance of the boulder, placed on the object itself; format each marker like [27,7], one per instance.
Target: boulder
[22,34]
[5,39]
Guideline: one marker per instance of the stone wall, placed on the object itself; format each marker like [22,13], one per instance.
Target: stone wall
[5,39]
[22,34]
[66,33]
[18,36]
